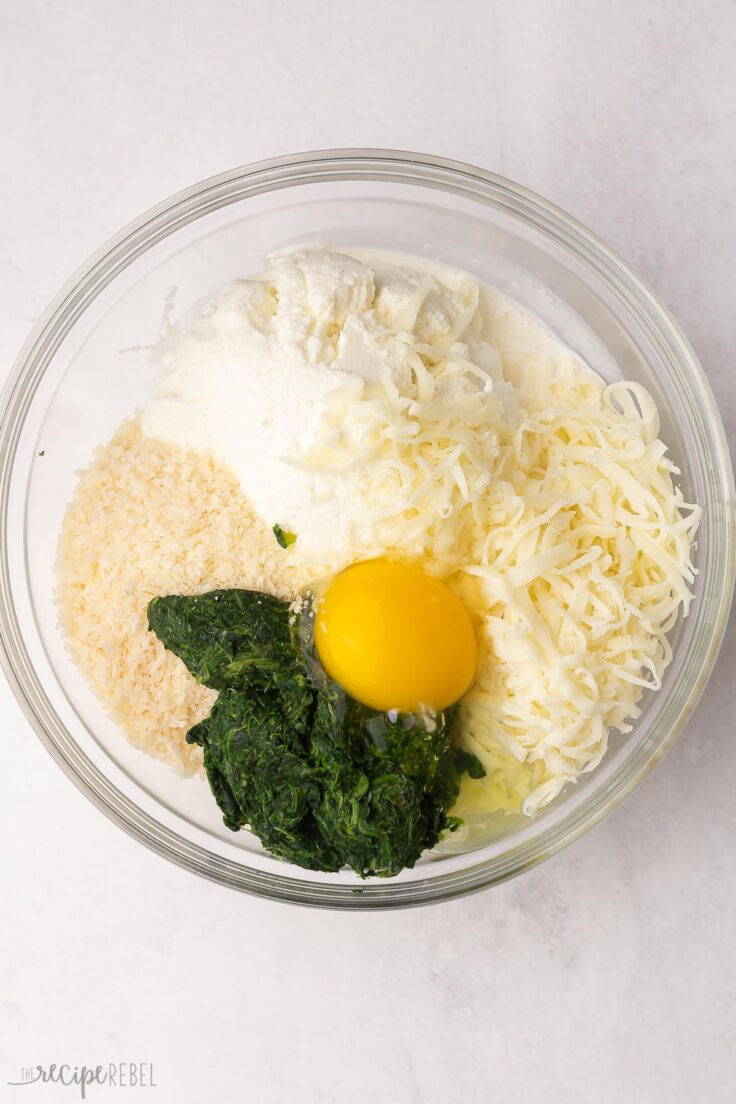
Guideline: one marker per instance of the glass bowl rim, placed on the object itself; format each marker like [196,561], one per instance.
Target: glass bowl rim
[329,166]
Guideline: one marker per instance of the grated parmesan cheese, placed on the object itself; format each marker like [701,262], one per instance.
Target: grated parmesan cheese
[148,518]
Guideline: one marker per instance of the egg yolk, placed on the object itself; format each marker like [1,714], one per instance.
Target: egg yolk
[395,638]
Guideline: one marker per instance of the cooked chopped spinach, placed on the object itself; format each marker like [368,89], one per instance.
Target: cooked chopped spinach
[322,780]
[261,777]
[283,536]
[228,639]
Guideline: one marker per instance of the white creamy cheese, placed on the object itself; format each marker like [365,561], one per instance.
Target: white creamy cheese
[249,377]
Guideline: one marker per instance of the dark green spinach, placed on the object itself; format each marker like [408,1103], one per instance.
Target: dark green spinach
[323,781]
[283,537]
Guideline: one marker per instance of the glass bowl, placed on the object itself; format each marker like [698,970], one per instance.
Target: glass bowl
[87,366]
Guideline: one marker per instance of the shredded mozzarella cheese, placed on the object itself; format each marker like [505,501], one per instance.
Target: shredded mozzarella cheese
[559,525]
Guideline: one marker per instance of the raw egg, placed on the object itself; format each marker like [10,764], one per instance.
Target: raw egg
[395,638]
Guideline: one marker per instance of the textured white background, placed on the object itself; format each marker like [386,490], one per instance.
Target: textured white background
[605,976]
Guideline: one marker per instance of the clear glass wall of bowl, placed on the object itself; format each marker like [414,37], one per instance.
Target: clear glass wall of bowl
[88,366]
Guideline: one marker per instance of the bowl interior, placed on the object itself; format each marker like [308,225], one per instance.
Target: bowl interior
[98,370]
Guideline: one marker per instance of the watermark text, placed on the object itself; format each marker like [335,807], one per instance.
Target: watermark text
[120,1075]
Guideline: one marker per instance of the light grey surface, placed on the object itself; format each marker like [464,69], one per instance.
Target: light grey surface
[607,974]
